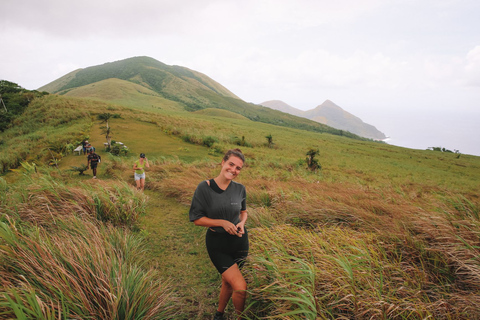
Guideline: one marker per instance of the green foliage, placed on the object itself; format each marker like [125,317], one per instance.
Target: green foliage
[312,163]
[48,126]
[269,140]
[216,150]
[440,149]
[104,117]
[81,169]
[208,141]
[115,149]
[241,142]
[29,167]
[14,101]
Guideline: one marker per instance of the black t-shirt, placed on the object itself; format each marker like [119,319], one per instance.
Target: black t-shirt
[93,158]
[215,186]
[227,205]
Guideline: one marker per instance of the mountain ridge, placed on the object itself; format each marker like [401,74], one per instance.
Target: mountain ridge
[330,114]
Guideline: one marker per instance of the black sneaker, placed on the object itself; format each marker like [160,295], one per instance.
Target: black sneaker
[218,316]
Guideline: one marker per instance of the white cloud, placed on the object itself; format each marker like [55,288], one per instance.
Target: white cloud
[472,67]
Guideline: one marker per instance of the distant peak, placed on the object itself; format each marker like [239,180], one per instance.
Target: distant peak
[329,103]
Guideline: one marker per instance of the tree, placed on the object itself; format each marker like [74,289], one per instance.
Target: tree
[312,163]
[104,117]
[13,101]
[269,140]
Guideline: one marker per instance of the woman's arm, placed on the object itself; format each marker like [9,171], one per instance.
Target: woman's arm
[146,163]
[225,224]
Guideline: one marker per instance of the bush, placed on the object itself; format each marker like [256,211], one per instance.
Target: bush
[241,142]
[312,163]
[209,141]
[80,169]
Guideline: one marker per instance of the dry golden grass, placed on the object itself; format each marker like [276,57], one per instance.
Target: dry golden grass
[49,200]
[379,232]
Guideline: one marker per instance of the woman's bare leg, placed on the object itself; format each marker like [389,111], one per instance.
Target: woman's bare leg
[234,286]
[225,295]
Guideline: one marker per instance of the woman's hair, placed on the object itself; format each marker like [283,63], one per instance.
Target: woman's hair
[234,152]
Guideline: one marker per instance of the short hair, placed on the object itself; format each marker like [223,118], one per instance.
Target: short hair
[234,152]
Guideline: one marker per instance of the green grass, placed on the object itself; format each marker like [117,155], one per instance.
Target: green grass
[125,93]
[379,232]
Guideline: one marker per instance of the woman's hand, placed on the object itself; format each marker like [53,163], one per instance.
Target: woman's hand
[240,229]
[230,227]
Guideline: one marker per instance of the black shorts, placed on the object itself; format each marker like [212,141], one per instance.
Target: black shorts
[225,249]
[93,164]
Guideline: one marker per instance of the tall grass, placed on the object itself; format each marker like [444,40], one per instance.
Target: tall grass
[66,251]
[344,274]
[82,271]
[43,198]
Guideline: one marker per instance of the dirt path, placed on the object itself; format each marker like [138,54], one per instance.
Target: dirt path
[178,249]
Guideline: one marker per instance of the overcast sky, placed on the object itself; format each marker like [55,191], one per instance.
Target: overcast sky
[411,68]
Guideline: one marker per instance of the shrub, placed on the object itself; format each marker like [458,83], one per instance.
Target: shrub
[241,142]
[209,141]
[80,169]
[312,163]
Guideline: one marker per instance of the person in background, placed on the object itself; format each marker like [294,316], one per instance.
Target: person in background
[88,147]
[219,204]
[139,171]
[84,146]
[93,160]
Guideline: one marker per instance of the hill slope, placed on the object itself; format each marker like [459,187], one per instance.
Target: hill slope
[332,115]
[390,227]
[146,83]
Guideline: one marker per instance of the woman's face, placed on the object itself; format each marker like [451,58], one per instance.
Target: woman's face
[231,168]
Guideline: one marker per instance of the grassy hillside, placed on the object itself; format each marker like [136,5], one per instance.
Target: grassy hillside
[380,232]
[149,84]
[125,93]
[220,113]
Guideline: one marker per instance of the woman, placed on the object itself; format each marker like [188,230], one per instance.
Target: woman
[220,205]
[139,171]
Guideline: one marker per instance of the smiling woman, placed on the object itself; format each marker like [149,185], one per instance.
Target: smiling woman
[220,205]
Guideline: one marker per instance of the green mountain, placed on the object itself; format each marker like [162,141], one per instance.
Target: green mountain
[332,115]
[145,83]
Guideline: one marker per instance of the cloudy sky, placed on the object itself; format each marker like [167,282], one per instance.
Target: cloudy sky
[410,68]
